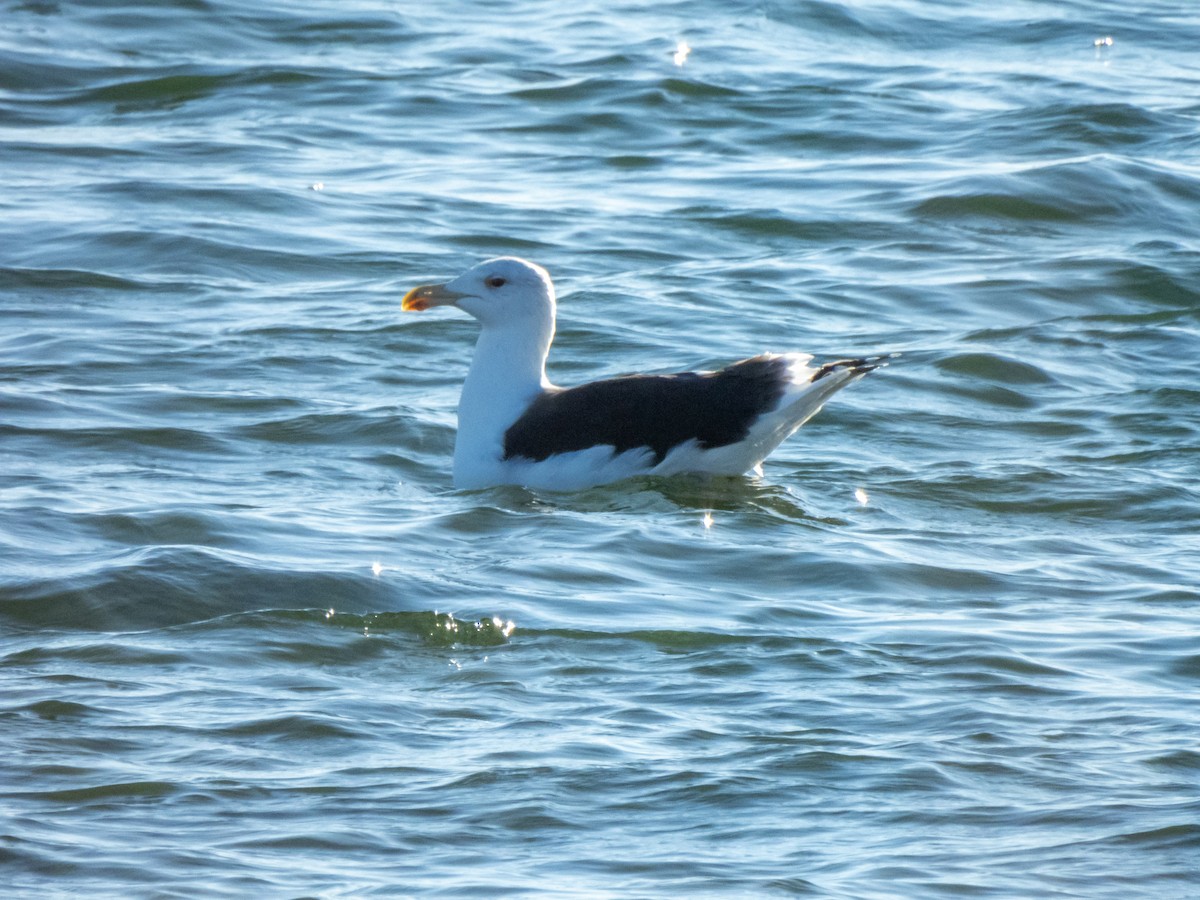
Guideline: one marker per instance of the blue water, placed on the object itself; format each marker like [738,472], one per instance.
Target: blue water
[252,641]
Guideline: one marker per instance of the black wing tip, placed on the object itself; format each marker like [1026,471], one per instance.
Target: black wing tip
[858,367]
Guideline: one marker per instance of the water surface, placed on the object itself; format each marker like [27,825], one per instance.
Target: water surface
[252,641]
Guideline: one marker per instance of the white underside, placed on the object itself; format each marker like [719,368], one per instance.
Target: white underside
[483,466]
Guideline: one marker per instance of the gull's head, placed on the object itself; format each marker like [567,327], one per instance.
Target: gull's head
[498,291]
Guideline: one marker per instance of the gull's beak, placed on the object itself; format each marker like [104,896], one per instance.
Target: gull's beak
[427,295]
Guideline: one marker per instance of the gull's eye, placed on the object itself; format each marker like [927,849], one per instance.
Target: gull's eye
[494,281]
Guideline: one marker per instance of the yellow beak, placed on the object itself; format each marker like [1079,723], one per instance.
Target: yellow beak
[427,295]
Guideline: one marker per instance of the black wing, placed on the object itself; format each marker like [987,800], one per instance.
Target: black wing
[657,412]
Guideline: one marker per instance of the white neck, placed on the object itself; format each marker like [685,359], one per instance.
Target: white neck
[507,371]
